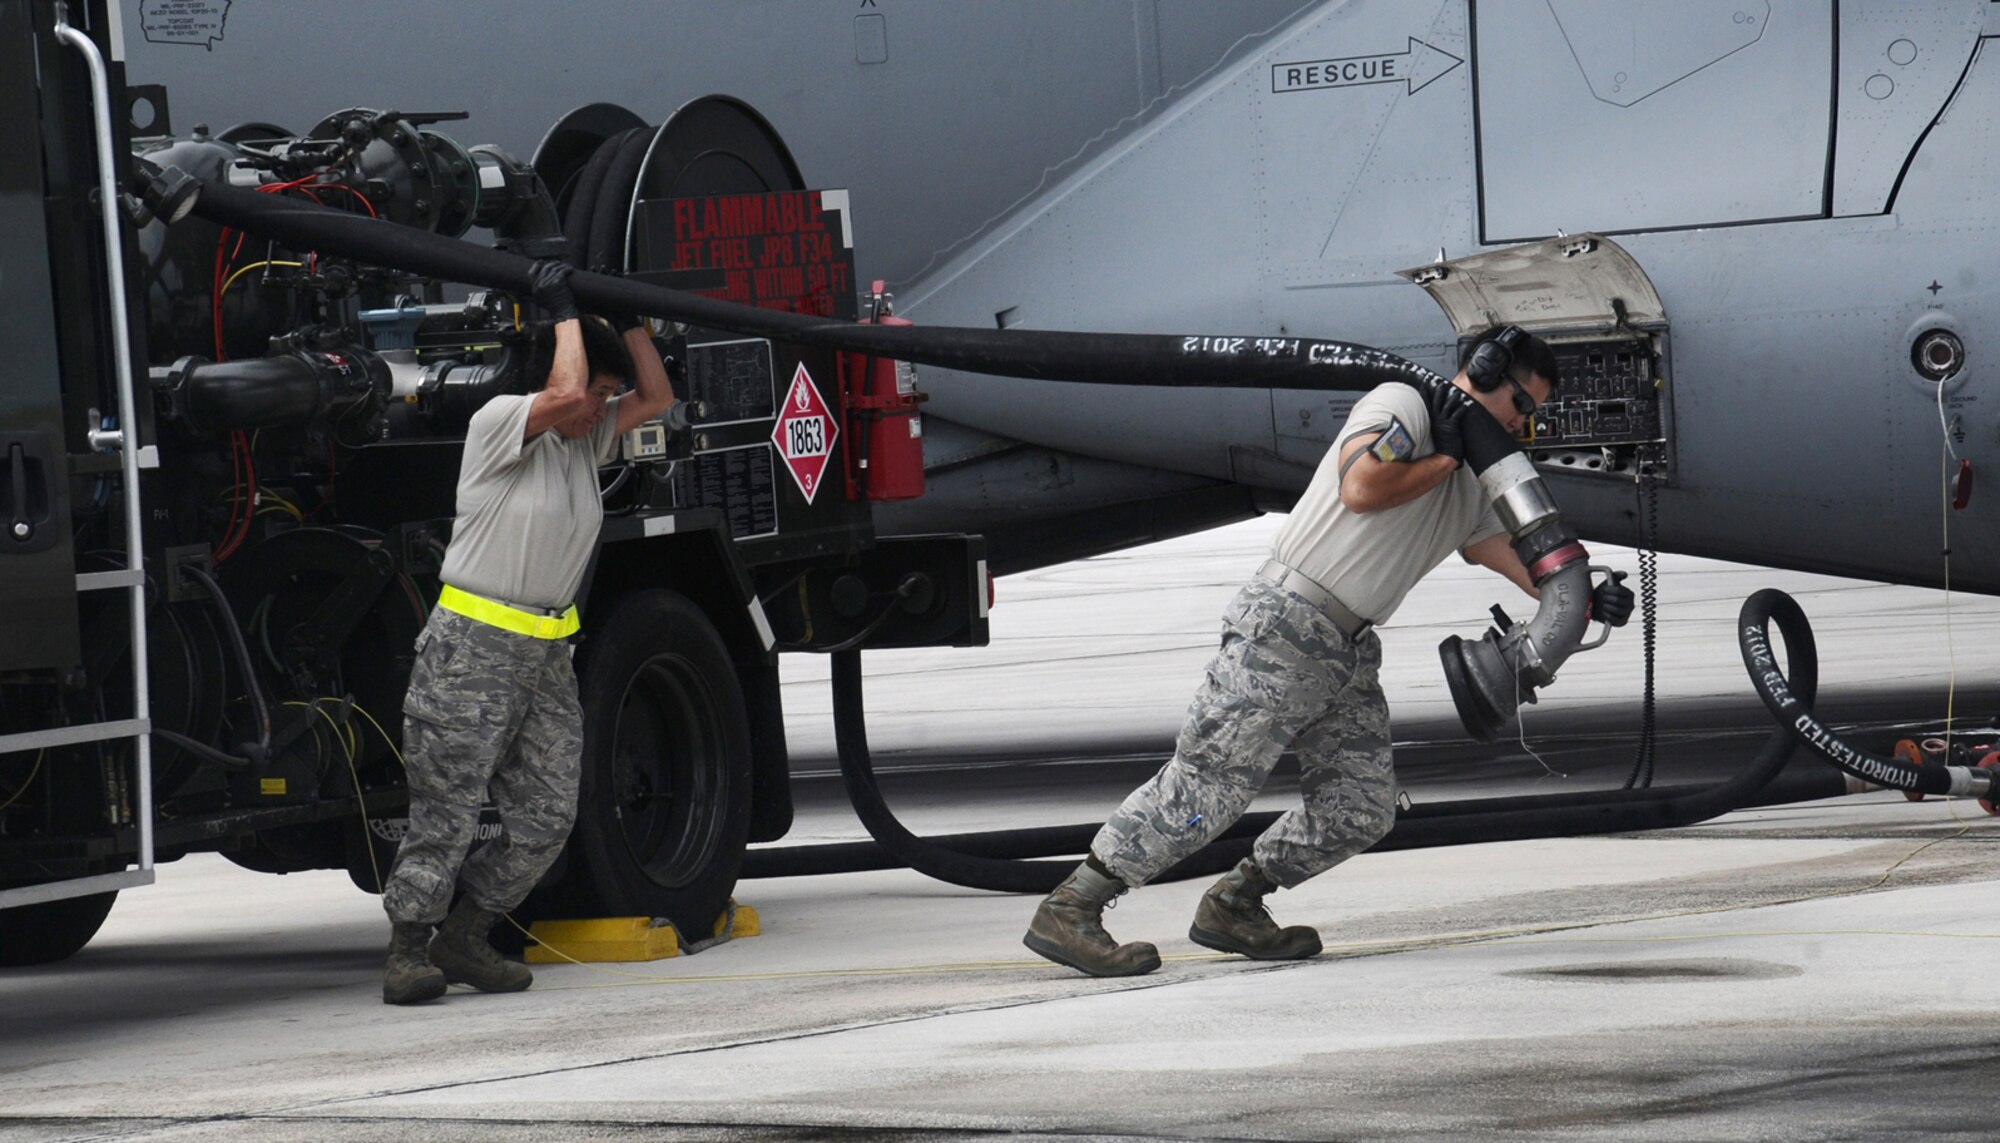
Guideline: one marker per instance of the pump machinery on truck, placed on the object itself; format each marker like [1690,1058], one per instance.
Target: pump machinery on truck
[239,457]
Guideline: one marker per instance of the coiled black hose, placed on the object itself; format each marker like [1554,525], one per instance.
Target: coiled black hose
[583,198]
[1791,704]
[612,208]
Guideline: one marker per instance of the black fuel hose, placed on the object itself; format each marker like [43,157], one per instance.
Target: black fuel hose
[605,252]
[993,861]
[583,199]
[1797,782]
[1103,358]
[1794,713]
[857,770]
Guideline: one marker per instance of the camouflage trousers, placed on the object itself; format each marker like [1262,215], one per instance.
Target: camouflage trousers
[1285,678]
[489,714]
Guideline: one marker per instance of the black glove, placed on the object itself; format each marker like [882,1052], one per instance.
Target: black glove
[1448,407]
[548,282]
[623,323]
[1611,601]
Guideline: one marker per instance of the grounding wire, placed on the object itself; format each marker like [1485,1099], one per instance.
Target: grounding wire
[1944,529]
[1649,591]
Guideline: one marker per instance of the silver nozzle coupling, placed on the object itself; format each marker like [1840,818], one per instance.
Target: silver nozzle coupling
[1981,782]
[1519,495]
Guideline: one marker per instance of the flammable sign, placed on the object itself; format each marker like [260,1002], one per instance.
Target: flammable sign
[805,433]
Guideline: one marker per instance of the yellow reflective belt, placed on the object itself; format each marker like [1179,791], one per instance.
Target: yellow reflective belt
[496,614]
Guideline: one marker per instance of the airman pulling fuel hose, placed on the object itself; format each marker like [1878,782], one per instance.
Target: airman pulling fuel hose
[1132,359]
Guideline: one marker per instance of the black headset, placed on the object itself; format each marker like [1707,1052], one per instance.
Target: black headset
[1491,359]
[1491,365]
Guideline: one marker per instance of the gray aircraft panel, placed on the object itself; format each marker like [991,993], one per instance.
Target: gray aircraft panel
[1547,287]
[968,80]
[1559,154]
[1116,248]
[1802,432]
[1805,435]
[1201,221]
[1898,64]
[1031,482]
[1951,179]
[1358,169]
[1631,50]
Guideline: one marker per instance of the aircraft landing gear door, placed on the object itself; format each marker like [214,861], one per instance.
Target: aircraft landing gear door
[1586,297]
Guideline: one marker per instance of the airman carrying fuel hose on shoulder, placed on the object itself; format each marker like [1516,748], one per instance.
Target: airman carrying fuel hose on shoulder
[492,708]
[1297,669]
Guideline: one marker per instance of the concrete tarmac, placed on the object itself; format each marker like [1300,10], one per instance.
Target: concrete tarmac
[1813,971]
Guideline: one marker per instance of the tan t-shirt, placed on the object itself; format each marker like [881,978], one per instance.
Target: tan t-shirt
[1371,560]
[528,511]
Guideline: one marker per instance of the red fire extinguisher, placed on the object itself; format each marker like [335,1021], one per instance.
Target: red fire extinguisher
[886,459]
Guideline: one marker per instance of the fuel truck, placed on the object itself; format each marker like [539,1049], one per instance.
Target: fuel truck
[230,462]
[239,362]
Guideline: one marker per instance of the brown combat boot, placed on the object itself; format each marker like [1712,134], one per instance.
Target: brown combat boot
[1069,928]
[1232,918]
[409,977]
[463,952]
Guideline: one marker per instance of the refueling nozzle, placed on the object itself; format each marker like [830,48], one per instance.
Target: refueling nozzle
[1490,678]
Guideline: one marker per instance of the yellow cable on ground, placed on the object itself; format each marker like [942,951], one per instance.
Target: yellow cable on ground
[366,841]
[354,773]
[344,735]
[386,740]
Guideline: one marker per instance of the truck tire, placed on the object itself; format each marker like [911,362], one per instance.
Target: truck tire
[51,930]
[664,808]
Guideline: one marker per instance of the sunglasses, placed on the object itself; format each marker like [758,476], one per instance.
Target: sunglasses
[1523,403]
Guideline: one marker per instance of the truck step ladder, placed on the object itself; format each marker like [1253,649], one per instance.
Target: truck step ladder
[125,438]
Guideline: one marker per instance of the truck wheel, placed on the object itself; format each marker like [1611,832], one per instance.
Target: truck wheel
[52,930]
[664,809]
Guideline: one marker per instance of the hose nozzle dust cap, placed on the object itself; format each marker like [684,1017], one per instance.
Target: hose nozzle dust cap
[1484,687]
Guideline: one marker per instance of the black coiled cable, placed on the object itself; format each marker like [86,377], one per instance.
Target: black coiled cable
[1649,599]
